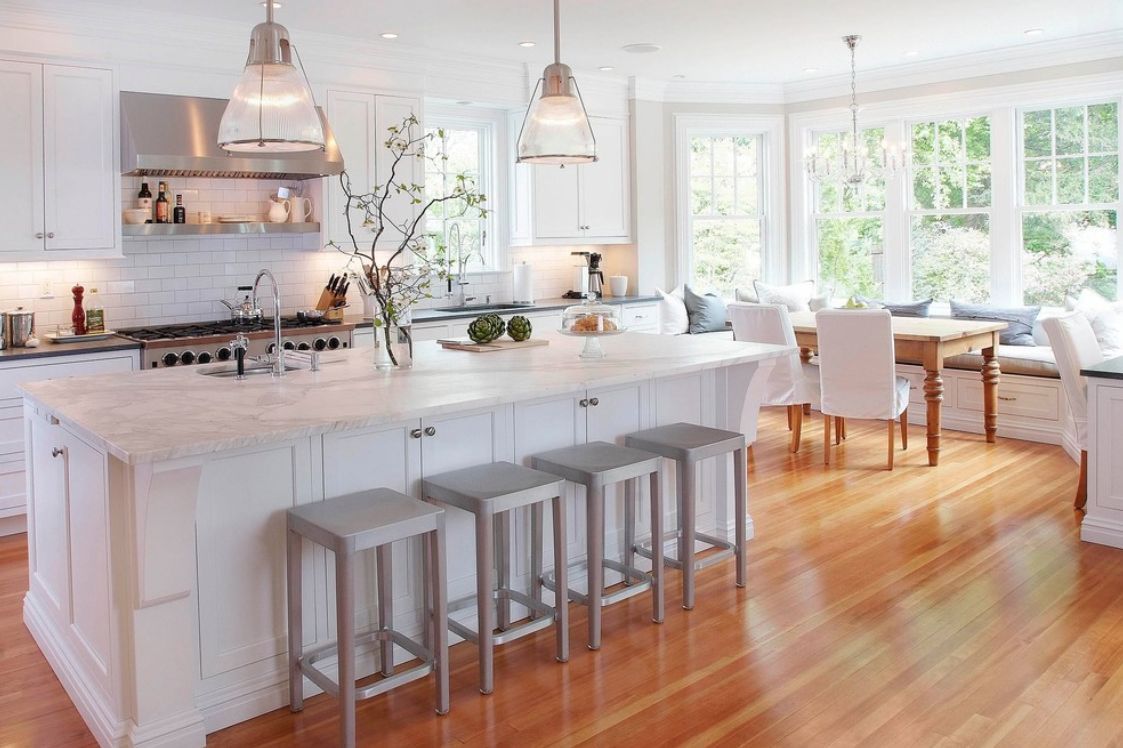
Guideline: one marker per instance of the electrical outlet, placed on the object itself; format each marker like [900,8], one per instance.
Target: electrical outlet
[45,292]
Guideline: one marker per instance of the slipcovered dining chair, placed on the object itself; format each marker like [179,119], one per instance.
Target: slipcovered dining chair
[1075,346]
[791,383]
[858,372]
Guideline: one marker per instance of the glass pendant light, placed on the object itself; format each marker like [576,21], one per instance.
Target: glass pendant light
[556,127]
[272,108]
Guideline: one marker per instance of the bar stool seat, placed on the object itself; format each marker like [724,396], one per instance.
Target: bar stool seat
[490,492]
[687,444]
[347,526]
[596,465]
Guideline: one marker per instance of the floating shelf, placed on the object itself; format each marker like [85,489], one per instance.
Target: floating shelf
[216,229]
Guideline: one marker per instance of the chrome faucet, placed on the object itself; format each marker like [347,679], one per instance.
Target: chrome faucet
[462,260]
[278,358]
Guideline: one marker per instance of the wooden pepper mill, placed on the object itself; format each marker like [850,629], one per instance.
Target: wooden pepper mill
[78,316]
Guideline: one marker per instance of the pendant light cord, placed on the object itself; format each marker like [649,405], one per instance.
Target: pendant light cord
[557,31]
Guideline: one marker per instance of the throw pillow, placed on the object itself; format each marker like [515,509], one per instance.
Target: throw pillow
[746,294]
[1108,327]
[903,309]
[673,318]
[1019,319]
[1089,302]
[796,297]
[707,313]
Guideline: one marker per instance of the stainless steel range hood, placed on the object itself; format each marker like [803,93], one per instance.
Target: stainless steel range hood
[177,136]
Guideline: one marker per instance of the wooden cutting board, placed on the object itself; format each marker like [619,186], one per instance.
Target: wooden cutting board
[495,345]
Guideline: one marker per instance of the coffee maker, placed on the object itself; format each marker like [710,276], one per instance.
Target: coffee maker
[595,277]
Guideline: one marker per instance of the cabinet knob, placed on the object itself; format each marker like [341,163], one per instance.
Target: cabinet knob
[583,402]
[416,433]
[50,235]
[430,431]
[40,235]
[594,402]
[56,451]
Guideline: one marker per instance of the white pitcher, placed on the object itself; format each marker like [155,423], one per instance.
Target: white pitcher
[278,211]
[300,209]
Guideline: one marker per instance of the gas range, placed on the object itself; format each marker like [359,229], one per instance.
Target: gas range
[206,342]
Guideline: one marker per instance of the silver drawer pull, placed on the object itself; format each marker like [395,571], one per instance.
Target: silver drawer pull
[583,402]
[416,433]
[1007,399]
[594,402]
[56,451]
[430,431]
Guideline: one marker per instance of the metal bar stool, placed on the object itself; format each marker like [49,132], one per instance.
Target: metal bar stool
[687,444]
[490,492]
[347,526]
[596,465]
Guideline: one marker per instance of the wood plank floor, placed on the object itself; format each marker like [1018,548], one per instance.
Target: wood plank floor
[946,606]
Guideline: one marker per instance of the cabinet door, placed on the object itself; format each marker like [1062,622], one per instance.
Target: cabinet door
[21,157]
[392,111]
[604,183]
[556,202]
[79,158]
[352,120]
[47,521]
[613,413]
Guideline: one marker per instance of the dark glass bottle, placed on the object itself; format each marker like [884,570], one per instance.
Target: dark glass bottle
[179,214]
[162,204]
[144,200]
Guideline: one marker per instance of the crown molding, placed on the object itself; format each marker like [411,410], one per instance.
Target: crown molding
[1051,53]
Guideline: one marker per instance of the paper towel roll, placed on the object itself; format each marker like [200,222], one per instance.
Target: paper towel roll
[523,282]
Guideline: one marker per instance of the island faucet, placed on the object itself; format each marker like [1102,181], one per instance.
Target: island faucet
[461,263]
[278,359]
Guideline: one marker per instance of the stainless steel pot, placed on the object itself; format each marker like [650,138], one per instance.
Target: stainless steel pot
[3,330]
[19,327]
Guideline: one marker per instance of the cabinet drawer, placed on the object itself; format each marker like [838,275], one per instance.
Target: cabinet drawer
[1014,398]
[13,485]
[11,429]
[429,332]
[16,375]
[916,386]
[640,316]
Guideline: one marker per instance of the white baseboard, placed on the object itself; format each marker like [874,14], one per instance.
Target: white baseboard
[1102,531]
[13,525]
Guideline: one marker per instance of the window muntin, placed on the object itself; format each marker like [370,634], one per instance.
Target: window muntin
[455,151]
[726,210]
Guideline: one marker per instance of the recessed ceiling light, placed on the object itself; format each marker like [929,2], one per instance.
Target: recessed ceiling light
[464,103]
[679,76]
[912,53]
[605,68]
[275,5]
[389,35]
[811,70]
[1034,32]
[528,45]
[641,49]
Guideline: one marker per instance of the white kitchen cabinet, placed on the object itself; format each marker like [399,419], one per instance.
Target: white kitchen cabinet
[59,148]
[360,120]
[641,317]
[585,204]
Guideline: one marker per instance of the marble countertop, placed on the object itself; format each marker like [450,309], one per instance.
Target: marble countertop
[151,416]
[1109,369]
[46,349]
[422,316]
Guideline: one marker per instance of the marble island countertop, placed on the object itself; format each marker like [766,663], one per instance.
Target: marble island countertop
[151,416]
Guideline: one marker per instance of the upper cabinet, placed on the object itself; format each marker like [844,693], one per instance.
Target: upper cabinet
[360,121]
[586,204]
[58,154]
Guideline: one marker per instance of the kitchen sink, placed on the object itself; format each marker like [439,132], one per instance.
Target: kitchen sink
[473,308]
[231,370]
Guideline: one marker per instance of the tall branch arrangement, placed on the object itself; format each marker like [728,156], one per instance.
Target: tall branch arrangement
[402,274]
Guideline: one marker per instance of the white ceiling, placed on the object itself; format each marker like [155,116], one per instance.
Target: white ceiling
[757,41]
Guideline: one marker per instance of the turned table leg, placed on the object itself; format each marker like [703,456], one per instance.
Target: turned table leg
[805,357]
[934,397]
[990,394]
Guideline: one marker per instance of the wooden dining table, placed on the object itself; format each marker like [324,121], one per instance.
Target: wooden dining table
[927,342]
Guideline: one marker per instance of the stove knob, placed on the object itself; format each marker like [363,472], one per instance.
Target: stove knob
[303,347]
[223,354]
[204,358]
[170,359]
[271,347]
[320,344]
[289,345]
[187,358]
[333,342]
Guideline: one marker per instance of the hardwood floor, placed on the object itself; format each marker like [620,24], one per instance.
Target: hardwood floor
[951,605]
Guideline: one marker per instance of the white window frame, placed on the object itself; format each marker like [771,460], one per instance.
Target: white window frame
[1001,104]
[770,171]
[491,125]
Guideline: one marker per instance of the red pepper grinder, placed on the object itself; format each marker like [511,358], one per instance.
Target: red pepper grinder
[78,316]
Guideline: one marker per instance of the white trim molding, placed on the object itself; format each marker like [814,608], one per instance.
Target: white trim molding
[772,159]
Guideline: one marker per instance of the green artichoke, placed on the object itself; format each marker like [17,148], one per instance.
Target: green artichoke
[483,329]
[498,323]
[519,328]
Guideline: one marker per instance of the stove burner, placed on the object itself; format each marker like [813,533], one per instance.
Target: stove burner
[207,329]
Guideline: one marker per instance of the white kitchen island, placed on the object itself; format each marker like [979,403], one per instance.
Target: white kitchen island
[157,502]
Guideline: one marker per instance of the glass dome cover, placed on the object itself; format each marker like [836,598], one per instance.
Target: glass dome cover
[592,320]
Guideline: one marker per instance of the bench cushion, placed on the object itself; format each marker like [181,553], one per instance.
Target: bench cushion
[1029,361]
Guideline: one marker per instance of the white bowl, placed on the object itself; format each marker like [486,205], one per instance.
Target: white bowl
[136,215]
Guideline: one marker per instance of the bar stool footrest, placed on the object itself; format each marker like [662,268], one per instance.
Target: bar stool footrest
[308,667]
[641,583]
[514,632]
[725,549]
